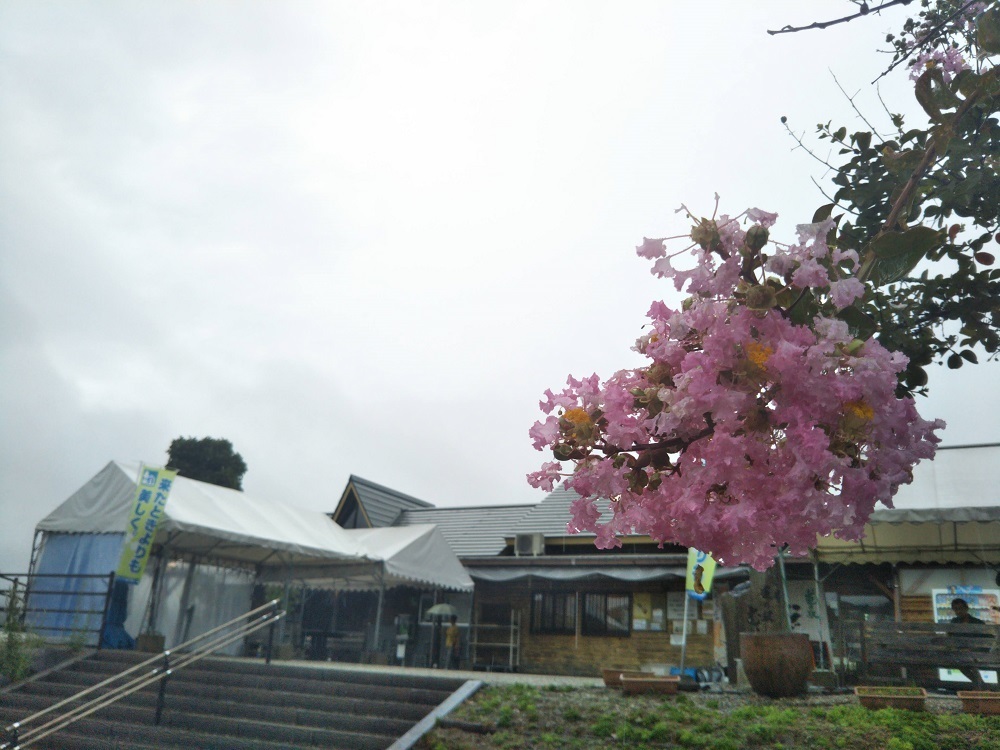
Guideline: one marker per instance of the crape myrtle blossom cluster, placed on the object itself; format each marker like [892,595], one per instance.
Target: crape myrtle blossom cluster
[759,420]
[941,45]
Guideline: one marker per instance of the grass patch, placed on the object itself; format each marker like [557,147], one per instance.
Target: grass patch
[597,718]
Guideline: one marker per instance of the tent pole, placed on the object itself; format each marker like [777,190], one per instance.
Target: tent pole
[897,594]
[185,598]
[784,586]
[820,611]
[684,632]
[284,603]
[378,609]
[156,590]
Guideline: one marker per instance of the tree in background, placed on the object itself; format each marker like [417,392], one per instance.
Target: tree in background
[777,402]
[211,460]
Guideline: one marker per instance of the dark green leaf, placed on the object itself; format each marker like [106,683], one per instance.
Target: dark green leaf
[925,95]
[954,362]
[988,31]
[861,324]
[897,253]
[823,213]
[969,356]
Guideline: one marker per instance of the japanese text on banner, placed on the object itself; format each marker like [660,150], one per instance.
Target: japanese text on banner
[150,499]
[700,571]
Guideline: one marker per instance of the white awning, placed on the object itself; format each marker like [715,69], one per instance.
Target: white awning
[415,555]
[576,573]
[950,513]
[929,535]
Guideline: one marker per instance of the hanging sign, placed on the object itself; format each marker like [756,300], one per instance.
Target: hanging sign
[700,570]
[150,499]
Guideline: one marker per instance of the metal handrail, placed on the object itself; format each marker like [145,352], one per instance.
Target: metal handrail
[29,612]
[267,615]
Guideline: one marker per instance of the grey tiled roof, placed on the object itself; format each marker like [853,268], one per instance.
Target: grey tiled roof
[382,505]
[471,532]
[551,515]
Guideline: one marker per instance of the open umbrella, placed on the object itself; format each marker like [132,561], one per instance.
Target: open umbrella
[441,610]
[437,612]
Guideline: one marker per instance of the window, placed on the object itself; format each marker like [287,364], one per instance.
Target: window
[607,614]
[553,613]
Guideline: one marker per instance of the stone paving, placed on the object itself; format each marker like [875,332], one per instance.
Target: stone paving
[490,678]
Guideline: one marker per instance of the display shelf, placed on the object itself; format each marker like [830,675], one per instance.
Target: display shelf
[488,651]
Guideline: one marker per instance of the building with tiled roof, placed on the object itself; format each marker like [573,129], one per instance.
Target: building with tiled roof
[367,505]
[472,532]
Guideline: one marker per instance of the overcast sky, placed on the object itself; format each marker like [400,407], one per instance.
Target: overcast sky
[363,237]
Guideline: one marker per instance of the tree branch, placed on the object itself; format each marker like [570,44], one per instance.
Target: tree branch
[929,36]
[865,10]
[930,156]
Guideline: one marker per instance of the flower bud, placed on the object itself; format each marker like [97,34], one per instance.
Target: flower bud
[706,234]
[757,237]
[761,297]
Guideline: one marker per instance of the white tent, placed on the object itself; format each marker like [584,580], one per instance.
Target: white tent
[217,525]
[207,522]
[206,525]
[950,513]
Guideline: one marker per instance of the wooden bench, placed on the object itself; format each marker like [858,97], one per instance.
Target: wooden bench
[334,644]
[932,645]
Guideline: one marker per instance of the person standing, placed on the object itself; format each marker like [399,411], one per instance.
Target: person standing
[452,644]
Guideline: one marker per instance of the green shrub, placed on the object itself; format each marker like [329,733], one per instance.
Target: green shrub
[16,644]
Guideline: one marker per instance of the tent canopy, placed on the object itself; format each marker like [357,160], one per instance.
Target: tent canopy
[213,524]
[406,555]
[204,521]
[950,513]
[932,535]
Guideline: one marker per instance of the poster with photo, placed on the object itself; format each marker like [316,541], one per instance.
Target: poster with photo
[984,604]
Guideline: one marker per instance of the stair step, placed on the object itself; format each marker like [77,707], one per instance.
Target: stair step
[229,704]
[98,734]
[197,692]
[189,712]
[122,659]
[282,684]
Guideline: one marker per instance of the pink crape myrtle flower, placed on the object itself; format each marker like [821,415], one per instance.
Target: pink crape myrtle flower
[745,432]
[950,61]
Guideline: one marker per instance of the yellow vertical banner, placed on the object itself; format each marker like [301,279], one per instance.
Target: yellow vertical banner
[151,493]
[700,571]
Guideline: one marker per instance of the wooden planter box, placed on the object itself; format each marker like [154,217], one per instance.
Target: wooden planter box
[150,643]
[650,684]
[613,675]
[980,702]
[909,698]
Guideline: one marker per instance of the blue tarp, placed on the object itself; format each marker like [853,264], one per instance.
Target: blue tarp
[61,605]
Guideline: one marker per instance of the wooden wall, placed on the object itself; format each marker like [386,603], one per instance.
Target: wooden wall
[545,653]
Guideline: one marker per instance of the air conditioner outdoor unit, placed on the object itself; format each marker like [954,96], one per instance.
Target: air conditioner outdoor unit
[526,545]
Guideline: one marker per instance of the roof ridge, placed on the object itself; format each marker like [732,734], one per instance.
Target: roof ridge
[375,485]
[472,507]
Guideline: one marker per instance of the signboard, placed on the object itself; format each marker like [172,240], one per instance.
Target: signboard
[700,571]
[982,603]
[150,499]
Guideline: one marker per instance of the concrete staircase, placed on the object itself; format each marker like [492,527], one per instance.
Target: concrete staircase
[236,704]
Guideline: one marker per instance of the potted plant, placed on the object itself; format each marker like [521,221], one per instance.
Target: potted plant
[777,662]
[633,684]
[613,675]
[980,701]
[885,696]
